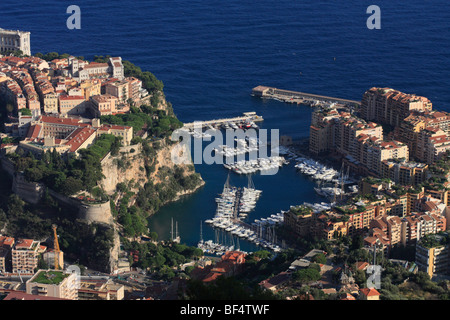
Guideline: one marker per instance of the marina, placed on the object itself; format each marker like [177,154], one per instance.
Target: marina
[261,165]
[243,146]
[246,121]
[233,207]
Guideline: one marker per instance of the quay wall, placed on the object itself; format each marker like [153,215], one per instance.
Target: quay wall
[270,92]
[254,118]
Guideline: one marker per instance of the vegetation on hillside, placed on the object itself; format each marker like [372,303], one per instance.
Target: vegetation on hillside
[67,177]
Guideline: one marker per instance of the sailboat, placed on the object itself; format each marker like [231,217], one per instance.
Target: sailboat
[177,237]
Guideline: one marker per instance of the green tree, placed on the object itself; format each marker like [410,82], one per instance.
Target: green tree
[320,258]
[306,275]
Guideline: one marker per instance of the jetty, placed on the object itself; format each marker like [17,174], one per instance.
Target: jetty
[247,117]
[301,97]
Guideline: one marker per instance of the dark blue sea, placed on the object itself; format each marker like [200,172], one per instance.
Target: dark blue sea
[210,54]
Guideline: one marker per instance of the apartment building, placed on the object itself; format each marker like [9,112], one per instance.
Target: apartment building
[102,105]
[100,290]
[433,255]
[379,151]
[410,225]
[118,89]
[348,128]
[6,245]
[361,143]
[408,132]
[25,255]
[13,93]
[390,106]
[299,219]
[359,220]
[321,133]
[134,88]
[72,105]
[404,172]
[90,88]
[52,283]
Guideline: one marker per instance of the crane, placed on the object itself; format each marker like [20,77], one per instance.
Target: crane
[56,247]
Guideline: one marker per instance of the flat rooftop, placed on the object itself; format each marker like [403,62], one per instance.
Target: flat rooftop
[49,277]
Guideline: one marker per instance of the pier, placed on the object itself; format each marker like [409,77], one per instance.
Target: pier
[300,97]
[246,116]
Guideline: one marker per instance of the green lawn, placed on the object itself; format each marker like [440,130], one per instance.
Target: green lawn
[50,277]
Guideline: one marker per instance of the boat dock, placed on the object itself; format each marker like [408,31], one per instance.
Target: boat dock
[246,117]
[300,97]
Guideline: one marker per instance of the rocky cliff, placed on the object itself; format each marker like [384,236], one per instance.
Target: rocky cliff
[134,167]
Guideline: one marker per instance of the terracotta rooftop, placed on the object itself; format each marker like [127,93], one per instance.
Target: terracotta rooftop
[369,292]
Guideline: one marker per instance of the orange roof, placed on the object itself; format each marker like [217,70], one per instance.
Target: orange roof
[33,132]
[65,121]
[369,292]
[18,295]
[6,241]
[361,265]
[24,243]
[348,296]
[78,137]
[71,97]
[95,65]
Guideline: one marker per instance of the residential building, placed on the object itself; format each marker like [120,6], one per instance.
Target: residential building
[100,290]
[231,264]
[6,245]
[134,88]
[369,294]
[390,106]
[118,89]
[102,105]
[91,88]
[433,255]
[52,283]
[72,105]
[51,103]
[299,219]
[404,172]
[25,255]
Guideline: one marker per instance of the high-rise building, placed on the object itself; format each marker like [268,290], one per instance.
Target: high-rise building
[390,106]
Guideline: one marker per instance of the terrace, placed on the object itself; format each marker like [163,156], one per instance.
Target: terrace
[49,277]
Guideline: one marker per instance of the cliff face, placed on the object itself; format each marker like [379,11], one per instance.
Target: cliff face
[132,165]
[128,166]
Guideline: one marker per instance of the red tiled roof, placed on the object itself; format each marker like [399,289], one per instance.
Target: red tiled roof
[95,65]
[24,243]
[18,295]
[369,292]
[33,132]
[6,241]
[78,137]
[71,97]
